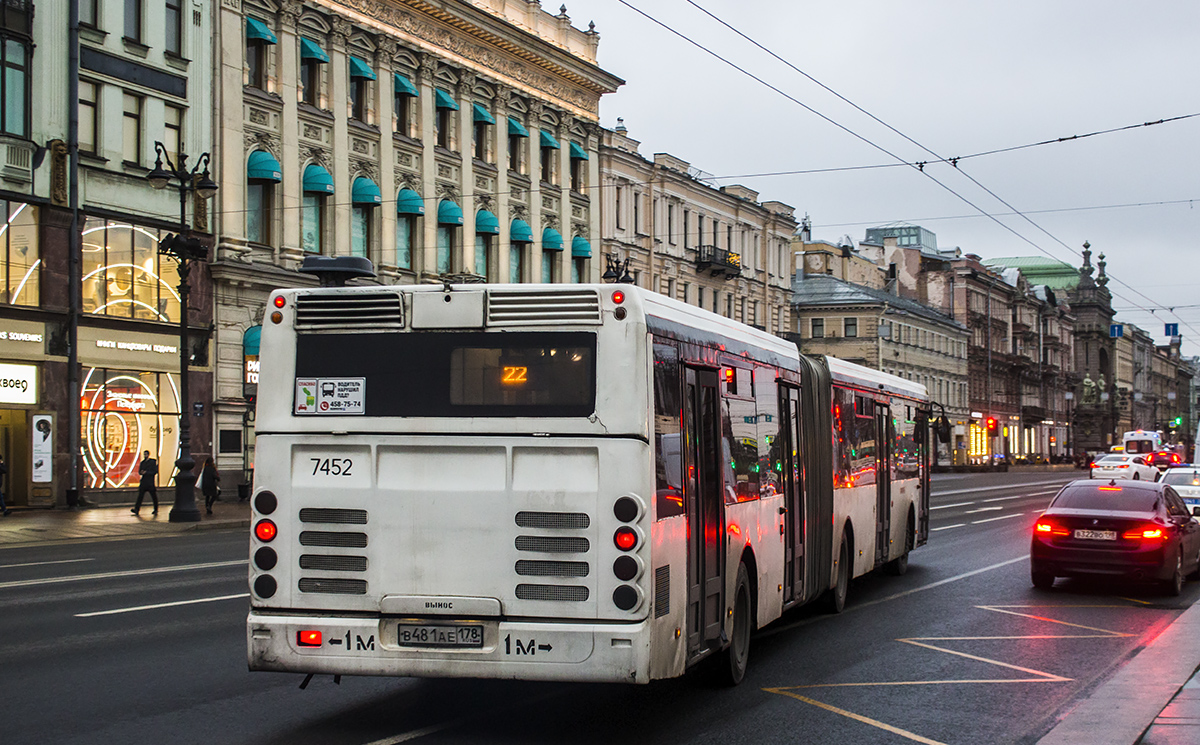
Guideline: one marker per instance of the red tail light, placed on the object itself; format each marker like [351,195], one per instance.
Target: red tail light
[625,538]
[1049,527]
[1145,533]
[308,638]
[618,297]
[265,531]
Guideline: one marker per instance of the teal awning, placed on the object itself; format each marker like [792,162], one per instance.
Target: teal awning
[259,31]
[551,240]
[405,86]
[251,340]
[317,179]
[577,152]
[444,100]
[408,202]
[482,114]
[365,191]
[580,248]
[548,139]
[486,222]
[312,50]
[449,213]
[360,69]
[262,165]
[516,128]
[520,232]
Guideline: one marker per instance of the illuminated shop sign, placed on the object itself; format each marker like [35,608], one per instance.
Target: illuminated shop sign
[137,346]
[18,384]
[20,336]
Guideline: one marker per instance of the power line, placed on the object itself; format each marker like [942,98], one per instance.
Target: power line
[914,220]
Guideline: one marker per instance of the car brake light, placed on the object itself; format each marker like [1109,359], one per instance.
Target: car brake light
[1144,533]
[1110,488]
[1046,527]
[308,638]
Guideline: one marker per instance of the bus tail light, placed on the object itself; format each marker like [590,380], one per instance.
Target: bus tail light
[265,586]
[280,301]
[627,567]
[627,597]
[618,297]
[265,531]
[308,638]
[625,538]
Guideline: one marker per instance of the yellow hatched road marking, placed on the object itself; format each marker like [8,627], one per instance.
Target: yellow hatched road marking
[858,717]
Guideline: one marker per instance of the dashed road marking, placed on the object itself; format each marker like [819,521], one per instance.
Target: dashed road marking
[947,527]
[994,519]
[160,605]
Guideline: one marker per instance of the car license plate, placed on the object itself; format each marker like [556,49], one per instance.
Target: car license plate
[1096,535]
[440,636]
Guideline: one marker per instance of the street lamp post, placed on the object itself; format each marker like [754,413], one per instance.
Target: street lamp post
[186,251]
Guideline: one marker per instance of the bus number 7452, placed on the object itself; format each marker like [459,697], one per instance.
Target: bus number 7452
[332,466]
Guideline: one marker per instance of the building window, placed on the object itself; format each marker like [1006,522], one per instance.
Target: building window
[14,88]
[123,413]
[619,192]
[445,248]
[671,223]
[20,261]
[259,199]
[87,116]
[637,212]
[686,216]
[402,111]
[361,77]
[173,131]
[481,139]
[174,19]
[131,142]
[312,214]
[818,328]
[256,64]
[578,269]
[483,254]
[87,12]
[548,169]
[310,81]
[850,328]
[549,267]
[516,145]
[360,229]
[406,228]
[133,20]
[578,169]
[124,275]
[516,262]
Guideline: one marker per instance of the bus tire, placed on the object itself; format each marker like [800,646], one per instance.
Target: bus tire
[737,654]
[837,593]
[899,565]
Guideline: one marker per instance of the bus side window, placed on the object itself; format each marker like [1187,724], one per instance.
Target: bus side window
[739,446]
[770,454]
[668,414]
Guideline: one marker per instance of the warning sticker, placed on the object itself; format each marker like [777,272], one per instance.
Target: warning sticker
[330,395]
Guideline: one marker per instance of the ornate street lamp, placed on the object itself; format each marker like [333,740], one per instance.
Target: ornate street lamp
[186,251]
[616,270]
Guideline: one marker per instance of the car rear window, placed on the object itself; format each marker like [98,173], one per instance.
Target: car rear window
[1114,459]
[1104,497]
[1186,478]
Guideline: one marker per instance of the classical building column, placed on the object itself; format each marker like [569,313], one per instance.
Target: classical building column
[289,199]
[466,139]
[596,194]
[230,222]
[427,263]
[385,92]
[339,101]
[534,269]
[503,214]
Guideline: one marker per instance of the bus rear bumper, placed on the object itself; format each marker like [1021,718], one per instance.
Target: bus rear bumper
[597,652]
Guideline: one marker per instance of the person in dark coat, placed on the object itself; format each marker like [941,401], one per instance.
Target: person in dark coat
[4,510]
[148,469]
[209,478]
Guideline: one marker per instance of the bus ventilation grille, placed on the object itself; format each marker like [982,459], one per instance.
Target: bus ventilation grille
[330,586]
[556,520]
[527,568]
[662,591]
[336,540]
[519,308]
[333,562]
[548,544]
[570,593]
[362,310]
[333,516]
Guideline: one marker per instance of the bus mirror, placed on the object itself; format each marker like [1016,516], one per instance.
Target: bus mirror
[942,427]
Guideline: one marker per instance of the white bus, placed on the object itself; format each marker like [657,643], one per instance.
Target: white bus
[1142,441]
[559,482]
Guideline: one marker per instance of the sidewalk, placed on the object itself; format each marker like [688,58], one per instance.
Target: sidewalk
[1154,699]
[31,527]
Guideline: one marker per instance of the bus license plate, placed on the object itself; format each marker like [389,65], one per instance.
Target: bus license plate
[451,637]
[1096,535]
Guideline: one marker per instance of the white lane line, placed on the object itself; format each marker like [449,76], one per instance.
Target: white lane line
[983,509]
[160,605]
[1023,496]
[974,489]
[994,519]
[112,575]
[43,563]
[947,527]
[948,506]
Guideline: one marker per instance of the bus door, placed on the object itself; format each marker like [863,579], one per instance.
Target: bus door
[705,509]
[885,437]
[793,489]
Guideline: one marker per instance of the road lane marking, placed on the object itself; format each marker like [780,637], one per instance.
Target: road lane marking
[947,527]
[948,506]
[983,509]
[1022,496]
[160,605]
[857,717]
[940,493]
[43,563]
[113,575]
[994,519]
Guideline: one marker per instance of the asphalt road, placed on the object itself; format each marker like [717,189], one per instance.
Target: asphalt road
[144,641]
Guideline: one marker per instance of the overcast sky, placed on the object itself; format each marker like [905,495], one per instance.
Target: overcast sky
[959,78]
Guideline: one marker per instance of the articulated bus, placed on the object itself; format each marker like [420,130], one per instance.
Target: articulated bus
[559,482]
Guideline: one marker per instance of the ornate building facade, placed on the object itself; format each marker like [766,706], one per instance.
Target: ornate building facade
[442,138]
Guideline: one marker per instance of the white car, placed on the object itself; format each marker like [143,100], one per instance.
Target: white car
[1186,481]
[1133,467]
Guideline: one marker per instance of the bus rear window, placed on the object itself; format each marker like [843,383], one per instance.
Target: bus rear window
[525,374]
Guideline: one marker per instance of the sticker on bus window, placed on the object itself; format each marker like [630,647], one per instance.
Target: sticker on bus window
[330,396]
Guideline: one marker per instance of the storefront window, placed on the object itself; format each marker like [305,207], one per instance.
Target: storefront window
[124,413]
[20,262]
[123,274]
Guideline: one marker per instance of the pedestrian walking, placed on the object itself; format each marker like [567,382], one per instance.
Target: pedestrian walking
[209,478]
[148,469]
[4,510]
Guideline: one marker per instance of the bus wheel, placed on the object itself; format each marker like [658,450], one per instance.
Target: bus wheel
[899,565]
[737,655]
[837,594]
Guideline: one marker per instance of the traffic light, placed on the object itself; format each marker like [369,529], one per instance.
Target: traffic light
[992,425]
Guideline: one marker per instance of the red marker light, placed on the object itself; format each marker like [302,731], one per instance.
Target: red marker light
[280,301]
[1109,488]
[308,638]
[625,539]
[618,297]
[729,375]
[265,531]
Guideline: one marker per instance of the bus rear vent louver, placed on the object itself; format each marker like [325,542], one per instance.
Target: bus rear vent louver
[570,593]
[518,308]
[333,516]
[331,586]
[362,310]
[527,568]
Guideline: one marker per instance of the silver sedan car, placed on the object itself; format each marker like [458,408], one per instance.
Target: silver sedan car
[1133,467]
[1186,481]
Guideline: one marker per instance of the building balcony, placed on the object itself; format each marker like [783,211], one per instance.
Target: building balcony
[718,261]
